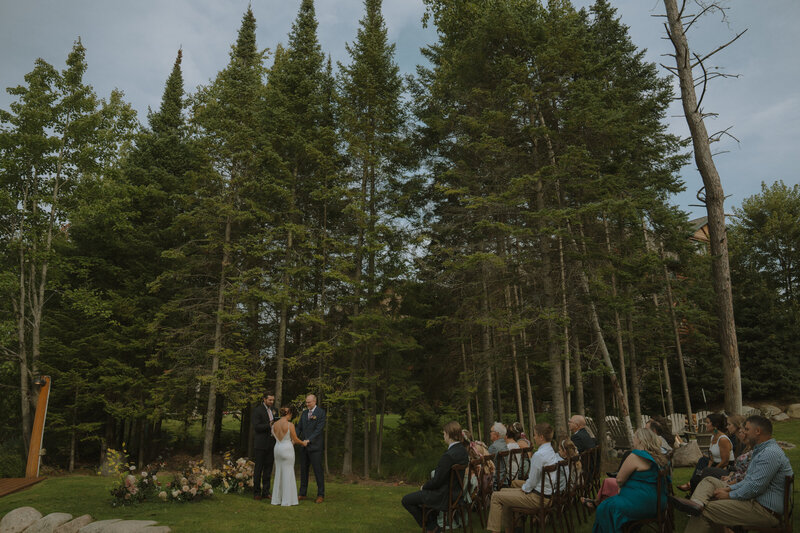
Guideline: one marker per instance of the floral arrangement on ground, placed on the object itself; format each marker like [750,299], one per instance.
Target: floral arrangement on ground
[193,484]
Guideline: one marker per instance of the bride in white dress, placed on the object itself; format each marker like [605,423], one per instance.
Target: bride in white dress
[284,486]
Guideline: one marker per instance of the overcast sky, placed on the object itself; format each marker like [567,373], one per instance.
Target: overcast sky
[131,45]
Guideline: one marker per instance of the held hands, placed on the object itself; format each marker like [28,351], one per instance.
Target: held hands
[305,443]
[722,494]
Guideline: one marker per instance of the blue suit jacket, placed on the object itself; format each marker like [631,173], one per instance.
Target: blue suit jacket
[312,430]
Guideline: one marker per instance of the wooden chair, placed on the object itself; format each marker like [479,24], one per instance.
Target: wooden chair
[663,522]
[619,433]
[513,466]
[592,468]
[785,525]
[459,481]
[577,485]
[562,498]
[525,465]
[478,501]
[678,423]
[501,478]
[592,427]
[539,515]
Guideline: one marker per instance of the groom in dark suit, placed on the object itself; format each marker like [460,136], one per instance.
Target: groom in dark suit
[263,445]
[310,430]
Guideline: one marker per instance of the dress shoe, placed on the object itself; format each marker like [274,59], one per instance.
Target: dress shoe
[257,497]
[301,498]
[319,499]
[268,497]
[686,505]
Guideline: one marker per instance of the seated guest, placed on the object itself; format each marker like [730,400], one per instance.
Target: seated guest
[656,425]
[498,436]
[522,439]
[735,423]
[511,444]
[736,474]
[637,480]
[485,472]
[434,493]
[720,452]
[526,494]
[567,450]
[579,435]
[754,502]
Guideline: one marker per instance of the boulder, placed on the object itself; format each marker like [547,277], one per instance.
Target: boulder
[48,523]
[793,410]
[769,410]
[74,525]
[19,519]
[781,417]
[130,526]
[687,455]
[101,526]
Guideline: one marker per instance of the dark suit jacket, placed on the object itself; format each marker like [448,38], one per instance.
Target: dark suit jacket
[436,487]
[262,431]
[311,430]
[583,441]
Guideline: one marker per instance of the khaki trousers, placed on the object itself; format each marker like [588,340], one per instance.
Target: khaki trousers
[719,513]
[505,499]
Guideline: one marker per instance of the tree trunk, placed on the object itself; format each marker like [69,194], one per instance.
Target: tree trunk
[601,344]
[465,385]
[565,319]
[600,409]
[553,350]
[366,437]
[512,338]
[528,387]
[208,439]
[380,431]
[484,361]
[714,200]
[245,439]
[678,351]
[579,399]
[623,378]
[635,393]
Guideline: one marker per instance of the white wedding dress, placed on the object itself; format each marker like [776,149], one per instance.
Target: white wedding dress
[284,486]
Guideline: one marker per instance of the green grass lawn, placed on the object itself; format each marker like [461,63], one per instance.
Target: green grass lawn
[348,507]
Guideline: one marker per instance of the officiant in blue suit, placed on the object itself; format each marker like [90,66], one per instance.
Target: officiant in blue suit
[310,429]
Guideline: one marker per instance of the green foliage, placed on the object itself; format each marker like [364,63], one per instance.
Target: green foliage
[12,458]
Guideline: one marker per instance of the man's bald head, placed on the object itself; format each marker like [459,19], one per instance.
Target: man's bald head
[576,422]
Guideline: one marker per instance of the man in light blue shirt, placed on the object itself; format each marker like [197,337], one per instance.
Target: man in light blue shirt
[527,494]
[756,501]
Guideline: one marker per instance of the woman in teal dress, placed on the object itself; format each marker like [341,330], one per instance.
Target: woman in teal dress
[637,479]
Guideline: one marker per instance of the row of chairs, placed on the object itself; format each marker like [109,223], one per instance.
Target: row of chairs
[475,490]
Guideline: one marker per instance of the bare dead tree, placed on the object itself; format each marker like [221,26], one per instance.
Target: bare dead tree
[678,23]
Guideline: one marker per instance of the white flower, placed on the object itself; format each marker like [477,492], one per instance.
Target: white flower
[144,474]
[162,495]
[132,468]
[176,493]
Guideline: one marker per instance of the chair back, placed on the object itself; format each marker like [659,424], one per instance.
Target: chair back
[459,485]
[514,465]
[525,463]
[788,503]
[501,469]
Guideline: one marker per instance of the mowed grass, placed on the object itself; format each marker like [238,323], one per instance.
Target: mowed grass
[348,507]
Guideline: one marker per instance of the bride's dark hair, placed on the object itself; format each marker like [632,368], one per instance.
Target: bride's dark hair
[286,409]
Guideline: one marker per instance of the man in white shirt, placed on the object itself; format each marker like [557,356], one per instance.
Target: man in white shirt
[526,494]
